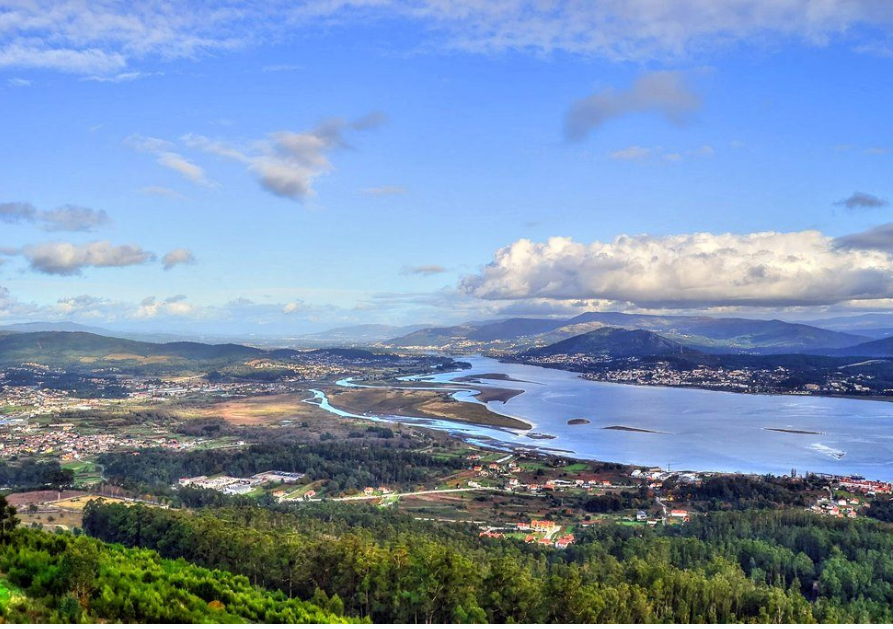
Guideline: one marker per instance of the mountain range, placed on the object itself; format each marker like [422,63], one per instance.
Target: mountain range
[85,348]
[708,334]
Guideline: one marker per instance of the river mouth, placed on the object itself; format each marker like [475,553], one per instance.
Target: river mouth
[680,428]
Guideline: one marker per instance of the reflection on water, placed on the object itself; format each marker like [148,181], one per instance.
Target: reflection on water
[683,428]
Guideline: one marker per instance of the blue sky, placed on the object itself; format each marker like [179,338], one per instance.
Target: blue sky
[322,164]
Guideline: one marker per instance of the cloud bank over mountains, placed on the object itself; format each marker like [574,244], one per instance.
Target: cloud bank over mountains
[701,270]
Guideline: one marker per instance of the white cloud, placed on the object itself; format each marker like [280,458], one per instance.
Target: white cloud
[193,172]
[109,38]
[665,93]
[63,258]
[294,307]
[19,55]
[287,163]
[688,271]
[426,269]
[165,156]
[161,191]
[73,218]
[631,153]
[18,82]
[637,153]
[281,67]
[86,306]
[17,212]
[121,77]
[12,309]
[70,218]
[176,306]
[176,258]
[637,30]
[384,191]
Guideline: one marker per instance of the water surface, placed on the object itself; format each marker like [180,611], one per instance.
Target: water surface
[691,429]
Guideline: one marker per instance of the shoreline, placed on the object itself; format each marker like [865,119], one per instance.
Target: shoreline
[795,394]
[424,405]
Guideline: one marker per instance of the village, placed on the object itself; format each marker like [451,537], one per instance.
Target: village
[742,380]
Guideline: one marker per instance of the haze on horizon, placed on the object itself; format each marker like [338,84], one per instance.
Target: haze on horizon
[291,167]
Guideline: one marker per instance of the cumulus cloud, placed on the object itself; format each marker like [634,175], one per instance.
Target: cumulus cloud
[11,308]
[878,238]
[69,218]
[862,201]
[427,269]
[176,258]
[287,163]
[665,93]
[152,307]
[86,306]
[63,258]
[294,307]
[73,218]
[691,270]
[17,212]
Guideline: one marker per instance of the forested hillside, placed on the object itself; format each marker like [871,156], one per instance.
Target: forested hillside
[63,578]
[724,567]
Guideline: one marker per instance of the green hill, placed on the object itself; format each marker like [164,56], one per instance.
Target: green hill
[66,579]
[66,348]
[713,334]
[615,343]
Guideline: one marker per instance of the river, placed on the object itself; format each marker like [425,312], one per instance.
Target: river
[684,429]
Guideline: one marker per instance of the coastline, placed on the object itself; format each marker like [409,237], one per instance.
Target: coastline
[794,394]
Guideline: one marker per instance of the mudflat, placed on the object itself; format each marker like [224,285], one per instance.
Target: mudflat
[795,432]
[487,376]
[497,394]
[629,429]
[423,404]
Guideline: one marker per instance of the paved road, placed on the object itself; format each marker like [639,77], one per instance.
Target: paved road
[413,493]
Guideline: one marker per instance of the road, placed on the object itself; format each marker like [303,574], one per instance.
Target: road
[411,493]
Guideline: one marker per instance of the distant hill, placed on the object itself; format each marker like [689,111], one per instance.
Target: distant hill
[83,348]
[615,343]
[67,347]
[368,333]
[710,334]
[68,326]
[881,348]
[54,326]
[438,337]
[873,324]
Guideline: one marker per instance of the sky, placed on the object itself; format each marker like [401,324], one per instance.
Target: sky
[288,167]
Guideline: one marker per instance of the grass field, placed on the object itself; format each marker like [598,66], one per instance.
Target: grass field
[85,472]
[262,410]
[78,503]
